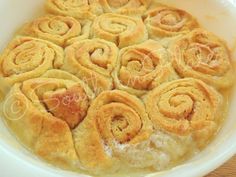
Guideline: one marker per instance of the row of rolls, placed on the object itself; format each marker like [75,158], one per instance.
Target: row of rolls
[158,22]
[136,69]
[61,119]
[92,92]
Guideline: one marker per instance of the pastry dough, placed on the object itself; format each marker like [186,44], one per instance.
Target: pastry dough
[164,21]
[142,67]
[80,9]
[114,116]
[41,112]
[202,55]
[58,29]
[120,29]
[92,61]
[128,7]
[185,106]
[26,58]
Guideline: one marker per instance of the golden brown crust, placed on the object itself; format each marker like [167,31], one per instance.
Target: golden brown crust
[55,142]
[21,116]
[58,29]
[202,55]
[26,58]
[119,29]
[164,21]
[42,125]
[92,61]
[114,116]
[142,67]
[185,106]
[128,7]
[70,105]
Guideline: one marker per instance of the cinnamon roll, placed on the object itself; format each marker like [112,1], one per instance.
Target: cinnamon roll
[142,67]
[120,29]
[128,7]
[58,29]
[26,58]
[42,112]
[92,61]
[164,21]
[114,117]
[80,9]
[185,106]
[202,55]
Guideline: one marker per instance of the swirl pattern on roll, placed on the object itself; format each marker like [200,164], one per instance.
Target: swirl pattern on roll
[114,116]
[128,7]
[79,9]
[185,106]
[142,67]
[92,61]
[42,111]
[119,29]
[164,21]
[58,29]
[26,58]
[202,55]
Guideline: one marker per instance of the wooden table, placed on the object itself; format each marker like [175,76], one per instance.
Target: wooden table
[226,170]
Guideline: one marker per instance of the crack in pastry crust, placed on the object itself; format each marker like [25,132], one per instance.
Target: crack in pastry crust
[42,120]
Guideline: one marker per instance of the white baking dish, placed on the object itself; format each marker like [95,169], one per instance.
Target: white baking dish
[218,16]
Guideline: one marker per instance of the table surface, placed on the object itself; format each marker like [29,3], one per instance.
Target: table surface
[226,170]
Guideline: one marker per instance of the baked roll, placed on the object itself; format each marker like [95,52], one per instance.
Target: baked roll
[164,21]
[114,117]
[185,106]
[42,112]
[128,7]
[202,55]
[119,29]
[92,61]
[58,29]
[79,9]
[26,58]
[142,67]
